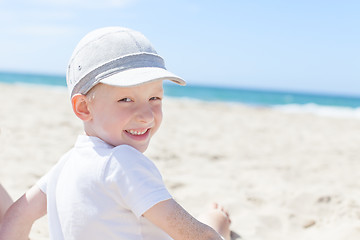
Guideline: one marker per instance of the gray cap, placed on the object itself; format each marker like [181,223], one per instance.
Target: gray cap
[115,56]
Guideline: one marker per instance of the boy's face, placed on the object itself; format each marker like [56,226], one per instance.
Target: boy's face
[126,115]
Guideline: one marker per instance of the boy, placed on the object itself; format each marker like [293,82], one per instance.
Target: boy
[105,188]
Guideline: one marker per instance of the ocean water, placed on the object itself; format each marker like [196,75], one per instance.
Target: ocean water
[323,104]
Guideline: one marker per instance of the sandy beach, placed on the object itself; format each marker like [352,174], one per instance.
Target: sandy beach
[281,175]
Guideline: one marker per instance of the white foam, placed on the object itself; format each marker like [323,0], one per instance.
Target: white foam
[328,111]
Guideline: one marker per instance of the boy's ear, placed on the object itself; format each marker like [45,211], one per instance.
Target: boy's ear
[80,107]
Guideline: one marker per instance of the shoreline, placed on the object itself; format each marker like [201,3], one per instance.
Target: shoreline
[309,108]
[291,101]
[281,175]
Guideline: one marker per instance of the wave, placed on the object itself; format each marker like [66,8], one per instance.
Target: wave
[328,111]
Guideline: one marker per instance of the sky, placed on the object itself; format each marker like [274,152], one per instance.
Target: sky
[306,46]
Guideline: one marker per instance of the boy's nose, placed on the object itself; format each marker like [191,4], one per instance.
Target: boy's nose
[145,114]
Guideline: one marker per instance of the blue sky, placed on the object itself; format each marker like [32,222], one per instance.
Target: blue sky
[308,45]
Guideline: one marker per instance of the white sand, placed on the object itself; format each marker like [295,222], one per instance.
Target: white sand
[281,175]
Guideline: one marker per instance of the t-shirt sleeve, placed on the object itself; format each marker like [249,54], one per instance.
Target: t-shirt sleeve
[135,179]
[42,183]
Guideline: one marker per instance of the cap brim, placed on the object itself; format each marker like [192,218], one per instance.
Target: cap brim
[137,76]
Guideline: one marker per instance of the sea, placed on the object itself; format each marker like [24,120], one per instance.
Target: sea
[289,101]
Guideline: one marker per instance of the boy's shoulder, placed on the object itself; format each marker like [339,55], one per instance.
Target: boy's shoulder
[127,161]
[127,152]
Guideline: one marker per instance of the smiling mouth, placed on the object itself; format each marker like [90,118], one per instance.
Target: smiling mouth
[136,132]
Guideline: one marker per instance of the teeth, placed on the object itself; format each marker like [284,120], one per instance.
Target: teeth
[133,132]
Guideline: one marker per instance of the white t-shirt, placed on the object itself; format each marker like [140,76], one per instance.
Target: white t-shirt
[97,191]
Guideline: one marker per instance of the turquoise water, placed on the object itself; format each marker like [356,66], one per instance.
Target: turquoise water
[32,79]
[261,97]
[247,96]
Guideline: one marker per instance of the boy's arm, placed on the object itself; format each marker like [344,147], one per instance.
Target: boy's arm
[20,217]
[5,202]
[178,223]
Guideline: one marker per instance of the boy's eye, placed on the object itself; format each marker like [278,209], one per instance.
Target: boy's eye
[155,98]
[125,100]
